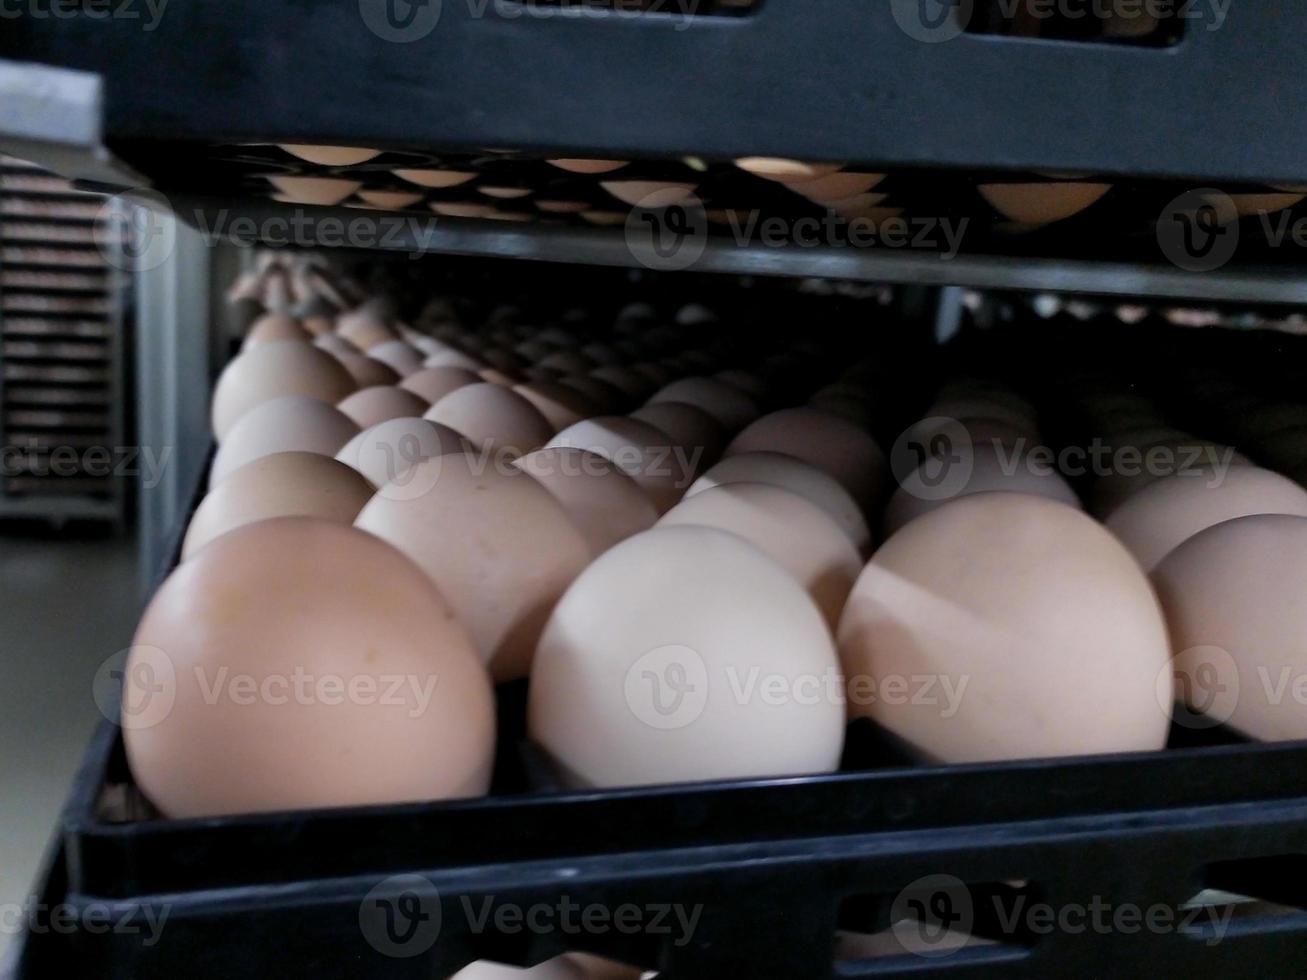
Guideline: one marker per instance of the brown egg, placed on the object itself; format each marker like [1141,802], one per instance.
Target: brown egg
[837,186]
[790,171]
[648,193]
[1169,511]
[982,468]
[433,384]
[453,358]
[813,484]
[640,450]
[797,534]
[726,403]
[384,453]
[1007,626]
[331,156]
[242,708]
[274,326]
[439,179]
[1233,596]
[313,190]
[559,968]
[1158,458]
[1039,204]
[585,166]
[366,372]
[391,200]
[293,423]
[826,441]
[380,403]
[493,418]
[691,428]
[604,395]
[271,370]
[365,328]
[605,504]
[754,672]
[598,968]
[561,405]
[499,547]
[280,485]
[398,356]
[334,344]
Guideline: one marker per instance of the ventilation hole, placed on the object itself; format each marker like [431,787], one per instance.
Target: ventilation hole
[668,8]
[937,917]
[1148,23]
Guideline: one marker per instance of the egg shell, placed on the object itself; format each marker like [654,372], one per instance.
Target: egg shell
[1042,203]
[366,372]
[397,355]
[493,418]
[605,504]
[367,614]
[598,968]
[605,395]
[381,403]
[331,156]
[499,547]
[724,402]
[333,343]
[797,534]
[274,326]
[1169,511]
[982,468]
[1233,596]
[293,423]
[560,405]
[640,450]
[453,358]
[717,611]
[559,968]
[1040,635]
[280,485]
[1155,461]
[385,453]
[691,428]
[828,442]
[433,384]
[365,328]
[788,473]
[272,370]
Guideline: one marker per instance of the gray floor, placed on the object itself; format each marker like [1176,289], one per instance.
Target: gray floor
[66,605]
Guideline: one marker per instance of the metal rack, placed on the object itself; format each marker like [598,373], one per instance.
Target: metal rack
[61,357]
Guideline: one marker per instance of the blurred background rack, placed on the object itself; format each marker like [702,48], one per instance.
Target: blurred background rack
[62,405]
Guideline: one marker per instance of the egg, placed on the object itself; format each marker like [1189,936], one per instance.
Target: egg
[1233,596]
[242,708]
[828,442]
[498,545]
[1007,626]
[397,355]
[598,968]
[980,469]
[788,473]
[682,654]
[1169,511]
[640,450]
[493,418]
[605,504]
[1156,459]
[391,200]
[281,485]
[435,178]
[652,194]
[366,372]
[559,968]
[293,423]
[691,428]
[385,452]
[727,404]
[274,326]
[272,370]
[604,395]
[365,327]
[797,534]
[453,359]
[380,403]
[335,344]
[434,383]
[782,169]
[566,361]
[1042,203]
[588,166]
[630,382]
[560,405]
[331,156]
[313,190]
